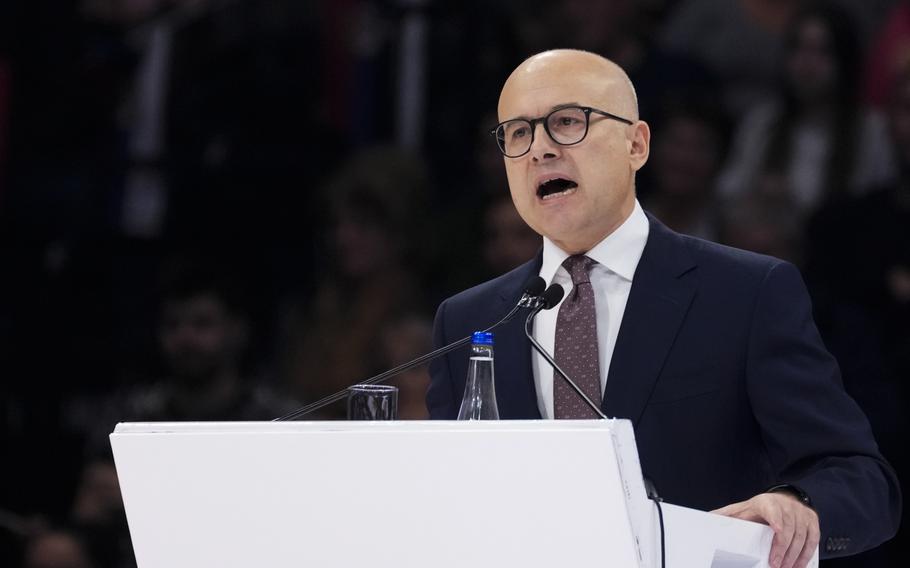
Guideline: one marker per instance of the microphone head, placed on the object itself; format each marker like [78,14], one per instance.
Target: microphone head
[535,286]
[552,296]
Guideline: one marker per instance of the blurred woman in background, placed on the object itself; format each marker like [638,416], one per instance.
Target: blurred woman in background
[813,142]
[367,284]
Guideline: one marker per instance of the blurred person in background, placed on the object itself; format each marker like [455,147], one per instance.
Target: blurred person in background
[57,548]
[204,336]
[679,187]
[608,28]
[374,241]
[888,56]
[93,532]
[813,142]
[488,175]
[624,31]
[858,269]
[459,196]
[765,223]
[204,333]
[877,244]
[60,239]
[508,240]
[740,41]
[98,514]
[402,339]
[97,500]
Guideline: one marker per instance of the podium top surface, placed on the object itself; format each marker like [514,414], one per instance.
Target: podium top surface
[361,426]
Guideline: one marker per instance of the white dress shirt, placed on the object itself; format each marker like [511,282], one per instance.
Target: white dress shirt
[617,258]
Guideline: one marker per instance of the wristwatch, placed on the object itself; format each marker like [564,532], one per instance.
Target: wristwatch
[792,490]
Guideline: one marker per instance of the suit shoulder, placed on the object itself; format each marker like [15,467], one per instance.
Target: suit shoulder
[731,261]
[721,262]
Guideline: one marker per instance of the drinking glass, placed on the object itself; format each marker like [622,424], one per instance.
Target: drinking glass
[373,402]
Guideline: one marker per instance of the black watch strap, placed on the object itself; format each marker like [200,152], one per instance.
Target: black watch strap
[793,490]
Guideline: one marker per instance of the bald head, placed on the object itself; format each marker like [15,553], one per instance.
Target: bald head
[596,78]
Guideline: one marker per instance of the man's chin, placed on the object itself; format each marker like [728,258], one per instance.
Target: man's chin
[559,231]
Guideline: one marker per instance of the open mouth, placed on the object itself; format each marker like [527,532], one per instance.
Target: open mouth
[555,187]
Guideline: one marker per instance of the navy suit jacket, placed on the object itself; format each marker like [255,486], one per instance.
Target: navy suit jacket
[719,366]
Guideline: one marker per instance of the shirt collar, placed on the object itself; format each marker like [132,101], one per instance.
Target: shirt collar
[619,251]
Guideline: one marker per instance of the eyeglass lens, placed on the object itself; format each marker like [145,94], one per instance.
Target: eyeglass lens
[565,126]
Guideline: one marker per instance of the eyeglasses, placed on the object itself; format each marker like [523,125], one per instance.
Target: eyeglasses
[565,126]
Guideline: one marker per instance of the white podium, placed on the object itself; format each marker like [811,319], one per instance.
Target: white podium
[408,494]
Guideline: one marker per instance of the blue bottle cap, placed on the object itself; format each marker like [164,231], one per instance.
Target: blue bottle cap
[482,338]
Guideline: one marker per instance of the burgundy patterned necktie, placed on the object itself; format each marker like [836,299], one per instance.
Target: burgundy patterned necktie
[576,344]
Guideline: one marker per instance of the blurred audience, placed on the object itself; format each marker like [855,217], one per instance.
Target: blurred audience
[508,240]
[813,142]
[625,31]
[57,549]
[739,40]
[204,335]
[131,130]
[98,514]
[679,185]
[368,277]
[858,270]
[860,267]
[609,28]
[765,223]
[888,56]
[402,339]
[488,176]
[877,243]
[206,373]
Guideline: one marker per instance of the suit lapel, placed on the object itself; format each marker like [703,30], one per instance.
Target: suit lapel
[662,290]
[515,388]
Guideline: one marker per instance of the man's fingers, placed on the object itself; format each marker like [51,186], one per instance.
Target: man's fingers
[796,545]
[782,525]
[727,511]
[742,510]
[795,526]
[812,538]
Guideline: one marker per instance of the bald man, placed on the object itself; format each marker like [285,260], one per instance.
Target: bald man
[710,351]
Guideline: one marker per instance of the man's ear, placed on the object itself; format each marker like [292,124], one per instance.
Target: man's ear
[639,144]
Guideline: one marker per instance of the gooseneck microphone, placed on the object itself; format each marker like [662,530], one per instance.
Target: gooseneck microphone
[531,298]
[550,298]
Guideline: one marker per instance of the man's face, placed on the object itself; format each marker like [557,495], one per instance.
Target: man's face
[599,170]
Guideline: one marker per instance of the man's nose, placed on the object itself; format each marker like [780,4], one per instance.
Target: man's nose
[543,147]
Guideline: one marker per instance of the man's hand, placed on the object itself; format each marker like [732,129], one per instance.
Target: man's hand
[795,526]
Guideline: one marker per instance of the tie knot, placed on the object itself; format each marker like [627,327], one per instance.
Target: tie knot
[578,266]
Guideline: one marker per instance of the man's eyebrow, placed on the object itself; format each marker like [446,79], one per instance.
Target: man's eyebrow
[564,105]
[552,108]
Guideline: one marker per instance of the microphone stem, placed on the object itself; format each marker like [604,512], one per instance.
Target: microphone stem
[545,355]
[385,375]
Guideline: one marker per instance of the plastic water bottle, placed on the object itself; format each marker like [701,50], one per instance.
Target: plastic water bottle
[479,401]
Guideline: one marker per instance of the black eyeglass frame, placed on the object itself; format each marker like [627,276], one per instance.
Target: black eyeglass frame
[545,121]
